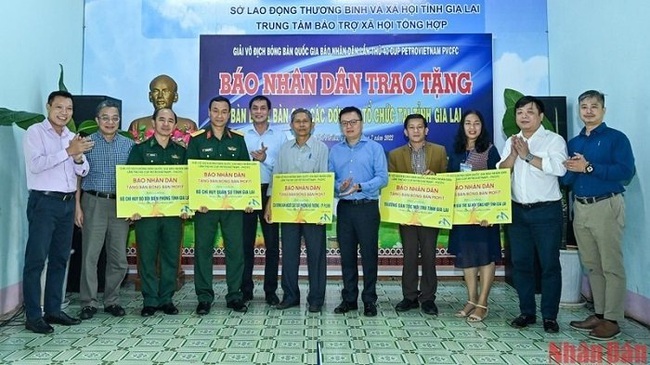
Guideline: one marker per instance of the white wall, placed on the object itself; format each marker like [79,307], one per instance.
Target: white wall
[36,37]
[604,45]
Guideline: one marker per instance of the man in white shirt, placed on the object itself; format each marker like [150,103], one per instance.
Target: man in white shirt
[263,142]
[535,157]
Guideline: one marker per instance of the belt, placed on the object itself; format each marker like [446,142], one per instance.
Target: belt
[99,194]
[534,205]
[56,194]
[357,201]
[594,199]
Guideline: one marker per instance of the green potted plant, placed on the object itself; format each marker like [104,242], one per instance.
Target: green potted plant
[25,119]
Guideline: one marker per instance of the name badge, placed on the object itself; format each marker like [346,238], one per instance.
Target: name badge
[465,167]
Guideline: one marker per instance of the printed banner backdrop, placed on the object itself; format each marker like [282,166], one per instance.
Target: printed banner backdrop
[147,38]
[386,76]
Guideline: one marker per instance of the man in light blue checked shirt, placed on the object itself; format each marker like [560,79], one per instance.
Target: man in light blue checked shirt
[360,171]
[95,214]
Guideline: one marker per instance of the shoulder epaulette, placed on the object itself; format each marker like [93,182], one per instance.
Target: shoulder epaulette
[237,132]
[197,133]
[178,142]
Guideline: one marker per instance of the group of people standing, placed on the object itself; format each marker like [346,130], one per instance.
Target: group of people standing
[61,165]
[596,166]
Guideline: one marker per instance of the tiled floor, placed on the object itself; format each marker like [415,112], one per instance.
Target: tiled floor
[265,335]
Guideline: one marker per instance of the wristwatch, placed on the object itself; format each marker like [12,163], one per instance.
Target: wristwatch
[589,168]
[359,188]
[529,157]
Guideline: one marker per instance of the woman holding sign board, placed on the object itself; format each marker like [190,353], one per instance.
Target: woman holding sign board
[477,247]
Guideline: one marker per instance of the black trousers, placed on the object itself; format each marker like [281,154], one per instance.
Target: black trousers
[314,235]
[419,243]
[271,234]
[357,226]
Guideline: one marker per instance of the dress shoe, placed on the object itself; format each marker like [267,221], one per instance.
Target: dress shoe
[247,297]
[62,318]
[407,304]
[551,326]
[313,308]
[286,304]
[523,321]
[369,309]
[148,311]
[587,325]
[87,312]
[237,306]
[38,326]
[272,299]
[429,307]
[203,308]
[115,310]
[345,307]
[169,308]
[605,331]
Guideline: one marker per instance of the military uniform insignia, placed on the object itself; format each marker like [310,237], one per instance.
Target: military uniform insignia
[151,156]
[198,133]
[176,157]
[237,132]
[232,149]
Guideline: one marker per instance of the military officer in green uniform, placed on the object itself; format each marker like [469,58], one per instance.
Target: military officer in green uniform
[218,142]
[158,238]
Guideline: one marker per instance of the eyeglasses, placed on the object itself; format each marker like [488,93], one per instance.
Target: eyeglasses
[351,122]
[106,119]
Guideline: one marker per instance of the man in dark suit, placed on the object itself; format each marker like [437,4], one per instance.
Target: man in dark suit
[418,157]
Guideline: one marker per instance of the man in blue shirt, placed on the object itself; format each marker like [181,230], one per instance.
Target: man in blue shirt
[96,214]
[360,171]
[600,163]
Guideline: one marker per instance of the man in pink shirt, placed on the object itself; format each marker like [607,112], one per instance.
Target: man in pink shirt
[54,157]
